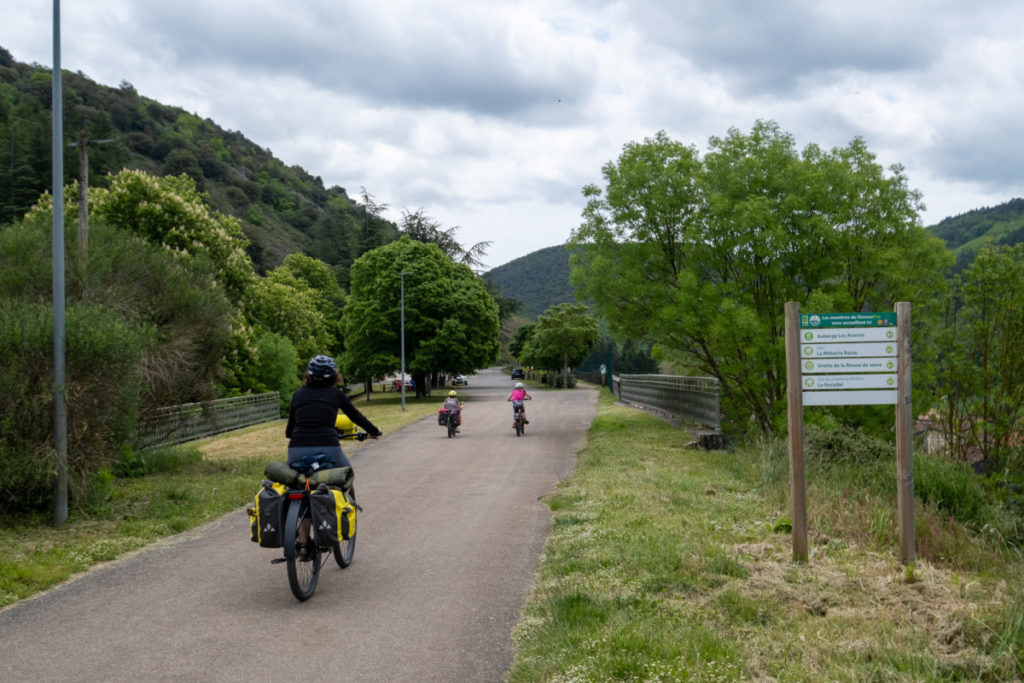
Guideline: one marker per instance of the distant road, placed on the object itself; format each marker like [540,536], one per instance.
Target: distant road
[447,549]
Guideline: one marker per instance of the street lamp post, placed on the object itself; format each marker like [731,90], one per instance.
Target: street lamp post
[403,337]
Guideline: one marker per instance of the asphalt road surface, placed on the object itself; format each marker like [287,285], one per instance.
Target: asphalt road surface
[448,544]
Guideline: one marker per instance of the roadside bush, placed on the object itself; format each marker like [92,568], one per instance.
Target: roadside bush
[954,488]
[103,352]
[557,381]
[980,504]
[141,332]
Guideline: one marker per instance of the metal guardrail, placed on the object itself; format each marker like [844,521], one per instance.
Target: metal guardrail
[190,421]
[693,399]
[592,377]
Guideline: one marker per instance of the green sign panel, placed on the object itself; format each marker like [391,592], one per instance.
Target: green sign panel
[819,320]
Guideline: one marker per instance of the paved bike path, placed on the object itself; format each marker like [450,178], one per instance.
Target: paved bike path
[446,554]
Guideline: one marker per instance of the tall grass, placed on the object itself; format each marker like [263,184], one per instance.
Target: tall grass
[666,563]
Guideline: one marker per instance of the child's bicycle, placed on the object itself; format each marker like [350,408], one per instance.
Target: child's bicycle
[450,420]
[519,421]
[289,497]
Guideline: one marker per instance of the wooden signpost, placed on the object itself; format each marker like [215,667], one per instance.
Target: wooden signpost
[849,359]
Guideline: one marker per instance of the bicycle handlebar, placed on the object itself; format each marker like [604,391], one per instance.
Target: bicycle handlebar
[358,436]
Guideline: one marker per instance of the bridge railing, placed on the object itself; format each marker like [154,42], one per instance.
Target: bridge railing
[691,399]
[190,421]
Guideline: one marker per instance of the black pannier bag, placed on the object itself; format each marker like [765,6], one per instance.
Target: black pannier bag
[267,516]
[333,516]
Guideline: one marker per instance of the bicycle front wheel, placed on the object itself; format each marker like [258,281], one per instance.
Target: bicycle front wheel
[303,572]
[344,551]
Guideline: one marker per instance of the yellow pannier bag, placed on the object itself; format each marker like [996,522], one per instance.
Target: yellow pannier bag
[333,515]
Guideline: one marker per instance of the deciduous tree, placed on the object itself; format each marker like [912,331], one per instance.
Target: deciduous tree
[451,322]
[698,256]
[563,336]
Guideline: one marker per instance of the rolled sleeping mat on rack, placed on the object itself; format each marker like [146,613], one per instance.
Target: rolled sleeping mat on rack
[283,474]
[340,477]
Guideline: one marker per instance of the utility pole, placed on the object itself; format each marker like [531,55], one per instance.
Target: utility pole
[60,414]
[402,276]
[83,190]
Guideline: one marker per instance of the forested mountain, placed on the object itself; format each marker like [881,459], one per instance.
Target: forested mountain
[967,233]
[283,209]
[539,279]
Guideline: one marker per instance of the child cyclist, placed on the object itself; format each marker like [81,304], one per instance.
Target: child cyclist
[454,406]
[517,397]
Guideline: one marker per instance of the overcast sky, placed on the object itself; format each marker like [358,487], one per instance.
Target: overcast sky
[492,115]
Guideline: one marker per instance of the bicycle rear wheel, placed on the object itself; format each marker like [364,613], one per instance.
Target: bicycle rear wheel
[303,572]
[344,551]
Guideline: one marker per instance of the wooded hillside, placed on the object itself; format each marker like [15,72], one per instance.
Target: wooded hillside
[283,209]
[540,280]
[967,233]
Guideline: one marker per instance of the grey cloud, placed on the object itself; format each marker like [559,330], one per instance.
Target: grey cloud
[784,46]
[986,153]
[332,47]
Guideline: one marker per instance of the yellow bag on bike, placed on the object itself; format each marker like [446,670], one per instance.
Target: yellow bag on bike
[333,515]
[266,516]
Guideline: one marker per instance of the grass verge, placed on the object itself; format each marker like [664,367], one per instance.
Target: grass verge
[194,484]
[671,564]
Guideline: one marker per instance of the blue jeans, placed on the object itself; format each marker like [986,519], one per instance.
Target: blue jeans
[335,456]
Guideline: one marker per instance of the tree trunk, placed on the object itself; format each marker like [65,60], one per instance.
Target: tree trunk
[565,370]
[422,391]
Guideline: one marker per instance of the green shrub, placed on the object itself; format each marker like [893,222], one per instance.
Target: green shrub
[557,381]
[141,332]
[953,487]
[103,395]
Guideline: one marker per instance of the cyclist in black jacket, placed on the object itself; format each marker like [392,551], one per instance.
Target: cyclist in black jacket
[311,419]
[313,412]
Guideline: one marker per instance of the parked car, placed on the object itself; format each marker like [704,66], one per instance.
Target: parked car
[518,373]
[460,381]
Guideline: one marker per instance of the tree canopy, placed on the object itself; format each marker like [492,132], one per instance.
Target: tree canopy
[451,322]
[562,338]
[422,228]
[698,256]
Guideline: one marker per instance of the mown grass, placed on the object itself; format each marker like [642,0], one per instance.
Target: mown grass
[667,563]
[184,488]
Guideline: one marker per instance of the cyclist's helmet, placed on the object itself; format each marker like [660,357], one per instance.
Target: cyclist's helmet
[453,393]
[519,385]
[322,367]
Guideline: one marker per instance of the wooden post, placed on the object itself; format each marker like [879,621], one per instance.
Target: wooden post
[904,437]
[794,395]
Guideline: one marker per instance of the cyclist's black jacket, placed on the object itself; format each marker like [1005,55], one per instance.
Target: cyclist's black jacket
[313,413]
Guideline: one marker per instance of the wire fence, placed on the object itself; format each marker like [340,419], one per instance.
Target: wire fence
[190,421]
[691,399]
